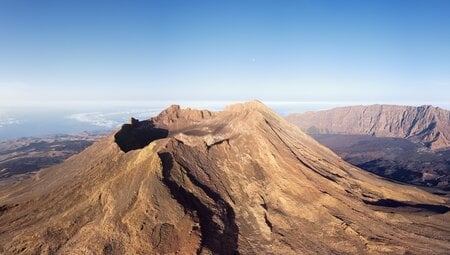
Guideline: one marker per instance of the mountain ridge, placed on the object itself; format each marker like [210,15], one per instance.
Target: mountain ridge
[424,124]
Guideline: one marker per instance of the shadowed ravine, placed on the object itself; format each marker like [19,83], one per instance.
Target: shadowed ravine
[216,239]
[429,208]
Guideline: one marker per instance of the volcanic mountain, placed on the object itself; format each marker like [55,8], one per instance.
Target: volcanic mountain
[424,124]
[240,181]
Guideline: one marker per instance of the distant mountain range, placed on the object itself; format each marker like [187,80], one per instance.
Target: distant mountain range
[424,124]
[404,143]
[239,181]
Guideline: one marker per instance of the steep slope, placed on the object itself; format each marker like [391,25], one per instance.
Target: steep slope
[240,181]
[425,124]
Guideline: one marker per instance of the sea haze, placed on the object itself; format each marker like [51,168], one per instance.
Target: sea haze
[37,119]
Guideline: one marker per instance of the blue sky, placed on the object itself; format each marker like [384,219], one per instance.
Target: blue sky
[315,51]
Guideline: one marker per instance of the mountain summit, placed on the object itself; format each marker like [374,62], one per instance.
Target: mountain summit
[425,124]
[240,181]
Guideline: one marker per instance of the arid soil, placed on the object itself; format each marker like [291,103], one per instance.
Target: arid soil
[240,181]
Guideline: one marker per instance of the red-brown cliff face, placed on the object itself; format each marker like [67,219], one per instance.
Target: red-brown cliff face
[425,124]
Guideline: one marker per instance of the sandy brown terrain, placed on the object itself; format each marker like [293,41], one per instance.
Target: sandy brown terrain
[240,181]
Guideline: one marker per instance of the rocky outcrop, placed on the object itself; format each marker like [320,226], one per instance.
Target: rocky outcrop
[240,181]
[424,124]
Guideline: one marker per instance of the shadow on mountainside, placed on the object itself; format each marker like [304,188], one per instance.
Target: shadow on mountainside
[138,134]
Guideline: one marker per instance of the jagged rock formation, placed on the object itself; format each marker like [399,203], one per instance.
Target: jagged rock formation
[240,181]
[425,124]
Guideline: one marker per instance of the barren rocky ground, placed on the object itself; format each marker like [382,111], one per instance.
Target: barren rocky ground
[240,181]
[21,158]
[394,158]
[403,143]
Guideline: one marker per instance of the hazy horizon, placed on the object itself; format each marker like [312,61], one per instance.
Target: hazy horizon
[39,119]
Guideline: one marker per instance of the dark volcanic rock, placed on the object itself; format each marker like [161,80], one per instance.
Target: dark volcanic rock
[21,158]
